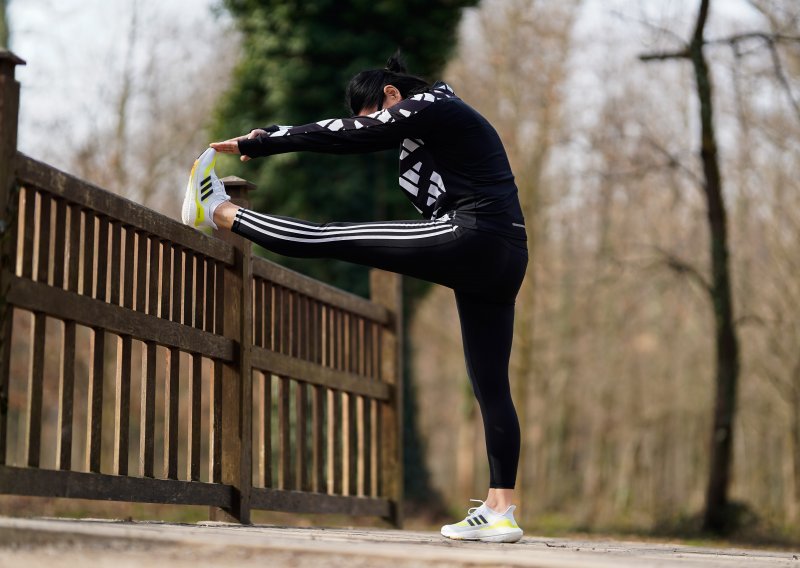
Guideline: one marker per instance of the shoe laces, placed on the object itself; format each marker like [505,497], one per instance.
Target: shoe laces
[471,510]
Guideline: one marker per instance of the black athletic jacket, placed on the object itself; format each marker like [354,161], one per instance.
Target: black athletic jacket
[452,162]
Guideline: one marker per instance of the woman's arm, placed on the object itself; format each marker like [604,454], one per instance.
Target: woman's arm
[410,118]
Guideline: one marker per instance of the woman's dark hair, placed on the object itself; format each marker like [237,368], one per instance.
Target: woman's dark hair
[365,90]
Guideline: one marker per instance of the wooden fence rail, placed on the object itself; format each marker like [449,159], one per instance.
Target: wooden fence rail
[143,361]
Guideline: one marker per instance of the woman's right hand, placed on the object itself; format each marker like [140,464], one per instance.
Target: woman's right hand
[232,146]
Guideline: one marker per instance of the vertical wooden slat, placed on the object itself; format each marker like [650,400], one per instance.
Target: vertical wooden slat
[267,429]
[300,437]
[153,276]
[59,243]
[219,317]
[124,409]
[284,447]
[317,423]
[188,287]
[67,388]
[269,314]
[88,253]
[44,238]
[141,271]
[115,231]
[360,457]
[102,259]
[373,447]
[197,389]
[258,309]
[177,283]
[127,299]
[96,400]
[199,291]
[74,250]
[172,399]
[166,278]
[36,389]
[216,425]
[286,321]
[29,232]
[210,297]
[148,427]
[330,402]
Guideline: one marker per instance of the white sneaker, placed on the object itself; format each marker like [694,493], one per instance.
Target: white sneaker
[483,523]
[204,192]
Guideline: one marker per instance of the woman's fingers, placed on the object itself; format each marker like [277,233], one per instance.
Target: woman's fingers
[245,158]
[226,147]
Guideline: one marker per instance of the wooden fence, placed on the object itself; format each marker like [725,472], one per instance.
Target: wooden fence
[166,366]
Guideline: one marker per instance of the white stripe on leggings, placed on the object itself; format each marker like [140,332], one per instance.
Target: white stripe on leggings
[436,232]
[310,226]
[262,223]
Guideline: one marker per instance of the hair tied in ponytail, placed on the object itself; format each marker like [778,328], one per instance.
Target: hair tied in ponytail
[396,63]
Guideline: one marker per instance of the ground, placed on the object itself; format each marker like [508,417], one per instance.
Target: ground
[56,543]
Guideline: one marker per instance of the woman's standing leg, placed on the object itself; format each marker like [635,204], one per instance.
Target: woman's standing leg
[487,330]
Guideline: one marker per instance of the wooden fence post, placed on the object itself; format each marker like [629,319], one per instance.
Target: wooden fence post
[9,113]
[237,379]
[386,290]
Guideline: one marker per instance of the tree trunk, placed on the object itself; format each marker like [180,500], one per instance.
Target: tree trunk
[727,349]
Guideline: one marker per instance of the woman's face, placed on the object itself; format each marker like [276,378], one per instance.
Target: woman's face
[391,96]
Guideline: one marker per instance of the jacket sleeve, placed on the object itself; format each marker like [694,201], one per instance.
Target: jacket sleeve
[410,118]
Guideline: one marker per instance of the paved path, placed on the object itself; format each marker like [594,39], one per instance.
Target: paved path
[56,543]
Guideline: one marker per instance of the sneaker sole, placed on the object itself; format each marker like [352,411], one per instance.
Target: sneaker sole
[507,537]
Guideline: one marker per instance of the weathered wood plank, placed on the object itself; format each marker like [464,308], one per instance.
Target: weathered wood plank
[96,400]
[317,439]
[172,399]
[115,255]
[304,502]
[314,374]
[28,231]
[124,410]
[188,288]
[59,243]
[130,255]
[267,429]
[74,248]
[87,311]
[36,388]
[80,485]
[301,441]
[177,284]
[195,428]
[43,176]
[141,272]
[148,428]
[102,260]
[303,284]
[88,254]
[67,395]
[43,226]
[284,431]
[216,425]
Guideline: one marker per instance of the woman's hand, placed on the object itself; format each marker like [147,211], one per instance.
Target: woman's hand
[232,146]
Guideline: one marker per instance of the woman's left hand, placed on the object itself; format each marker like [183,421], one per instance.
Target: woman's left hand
[232,146]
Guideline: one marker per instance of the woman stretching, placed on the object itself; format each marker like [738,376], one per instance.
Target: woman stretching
[455,171]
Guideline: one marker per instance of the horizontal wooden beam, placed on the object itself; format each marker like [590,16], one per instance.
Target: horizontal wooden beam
[314,374]
[99,486]
[58,303]
[321,291]
[75,190]
[305,502]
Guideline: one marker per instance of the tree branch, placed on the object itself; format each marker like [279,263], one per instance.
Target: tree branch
[682,267]
[664,55]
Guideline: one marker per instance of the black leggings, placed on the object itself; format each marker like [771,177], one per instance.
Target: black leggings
[484,269]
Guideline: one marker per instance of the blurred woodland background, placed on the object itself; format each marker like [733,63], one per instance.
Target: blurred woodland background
[638,331]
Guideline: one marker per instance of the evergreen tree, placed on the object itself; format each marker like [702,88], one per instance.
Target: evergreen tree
[297,59]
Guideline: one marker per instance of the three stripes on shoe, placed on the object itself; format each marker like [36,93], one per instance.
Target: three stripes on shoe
[206,188]
[477,521]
